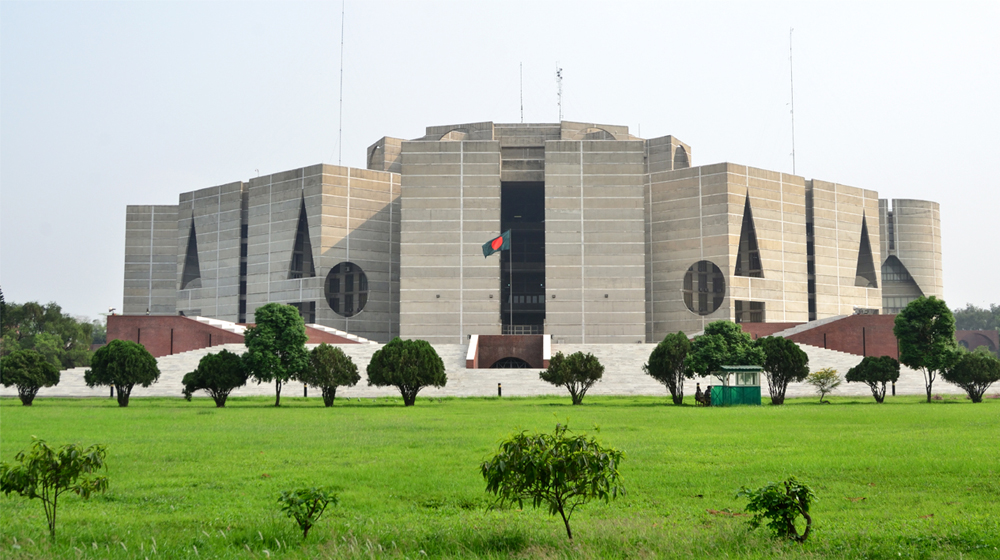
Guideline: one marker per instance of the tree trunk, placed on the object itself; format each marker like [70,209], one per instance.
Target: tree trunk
[124,391]
[27,394]
[329,393]
[277,392]
[220,399]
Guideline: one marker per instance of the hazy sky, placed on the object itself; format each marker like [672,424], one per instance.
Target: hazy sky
[107,104]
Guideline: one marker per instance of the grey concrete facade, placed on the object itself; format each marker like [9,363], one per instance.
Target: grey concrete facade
[910,233]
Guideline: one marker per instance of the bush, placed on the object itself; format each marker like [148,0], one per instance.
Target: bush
[218,374]
[45,473]
[667,364]
[577,372]
[974,372]
[780,504]
[875,371]
[329,368]
[824,381]
[784,362]
[558,470]
[408,365]
[306,505]
[122,364]
[276,346]
[29,371]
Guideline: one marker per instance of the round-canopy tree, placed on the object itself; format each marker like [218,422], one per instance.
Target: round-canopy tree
[122,364]
[875,371]
[329,368]
[925,330]
[784,362]
[667,364]
[577,372]
[29,371]
[276,346]
[974,372]
[723,344]
[218,374]
[408,365]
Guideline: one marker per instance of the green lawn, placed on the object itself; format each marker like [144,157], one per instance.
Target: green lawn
[904,479]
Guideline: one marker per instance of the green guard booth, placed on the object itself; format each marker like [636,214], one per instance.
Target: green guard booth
[741,386]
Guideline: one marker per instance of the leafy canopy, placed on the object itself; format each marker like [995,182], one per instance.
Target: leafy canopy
[784,362]
[824,381]
[667,364]
[972,318]
[974,372]
[29,371]
[276,346]
[408,365]
[780,504]
[63,340]
[45,473]
[306,505]
[875,371]
[577,372]
[723,344]
[218,374]
[329,368]
[558,470]
[925,330]
[122,364]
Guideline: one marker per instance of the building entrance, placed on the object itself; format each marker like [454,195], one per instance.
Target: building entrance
[522,269]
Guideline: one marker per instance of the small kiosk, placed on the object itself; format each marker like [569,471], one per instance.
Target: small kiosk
[741,385]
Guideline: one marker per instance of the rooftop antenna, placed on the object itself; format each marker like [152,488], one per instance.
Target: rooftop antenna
[791,74]
[521,75]
[559,82]
[340,132]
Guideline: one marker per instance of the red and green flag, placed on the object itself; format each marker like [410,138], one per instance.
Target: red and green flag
[500,243]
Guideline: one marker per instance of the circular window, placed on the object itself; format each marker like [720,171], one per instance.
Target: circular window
[704,287]
[346,289]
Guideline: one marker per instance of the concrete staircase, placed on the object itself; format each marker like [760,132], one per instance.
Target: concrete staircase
[808,326]
[342,334]
[220,324]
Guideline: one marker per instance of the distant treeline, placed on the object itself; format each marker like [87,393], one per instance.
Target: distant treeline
[972,318]
[62,339]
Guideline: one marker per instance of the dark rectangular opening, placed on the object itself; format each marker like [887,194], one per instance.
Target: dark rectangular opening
[522,268]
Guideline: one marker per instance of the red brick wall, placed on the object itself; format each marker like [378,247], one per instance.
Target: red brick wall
[163,335]
[317,336]
[862,335]
[757,330]
[527,347]
[975,339]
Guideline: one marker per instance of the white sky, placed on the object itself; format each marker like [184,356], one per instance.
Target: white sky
[108,104]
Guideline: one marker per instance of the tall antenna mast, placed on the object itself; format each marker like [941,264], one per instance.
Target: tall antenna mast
[559,82]
[791,73]
[340,124]
[521,75]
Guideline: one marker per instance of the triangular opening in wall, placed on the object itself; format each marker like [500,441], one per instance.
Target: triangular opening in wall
[302,253]
[748,254]
[865,276]
[191,275]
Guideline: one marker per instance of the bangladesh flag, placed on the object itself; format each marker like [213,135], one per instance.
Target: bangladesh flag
[501,243]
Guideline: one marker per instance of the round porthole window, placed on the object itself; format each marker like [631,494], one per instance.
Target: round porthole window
[704,288]
[346,289]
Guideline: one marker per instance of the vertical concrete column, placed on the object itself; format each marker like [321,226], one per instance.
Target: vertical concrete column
[918,247]
[150,260]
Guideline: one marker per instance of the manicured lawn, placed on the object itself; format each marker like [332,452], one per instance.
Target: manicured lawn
[904,479]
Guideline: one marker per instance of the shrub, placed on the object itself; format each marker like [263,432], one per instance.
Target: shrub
[122,364]
[577,372]
[824,381]
[875,371]
[276,346]
[218,374]
[780,504]
[784,362]
[408,365]
[29,371]
[306,505]
[666,364]
[45,473]
[329,368]
[974,372]
[558,470]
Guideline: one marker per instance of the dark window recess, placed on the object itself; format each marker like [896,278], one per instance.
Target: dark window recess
[890,227]
[243,312]
[711,287]
[865,274]
[522,211]
[894,271]
[302,256]
[191,275]
[307,310]
[346,289]
[748,257]
[510,363]
[243,250]
[243,268]
[749,311]
[244,231]
[811,267]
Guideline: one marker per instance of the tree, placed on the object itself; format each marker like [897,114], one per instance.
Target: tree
[875,371]
[824,381]
[972,318]
[276,346]
[29,371]
[408,365]
[925,331]
[780,504]
[62,339]
[45,473]
[784,362]
[218,374]
[306,505]
[974,372]
[577,372]
[723,344]
[558,470]
[329,368]
[667,364]
[122,364]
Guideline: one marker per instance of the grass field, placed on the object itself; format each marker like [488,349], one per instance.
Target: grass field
[901,480]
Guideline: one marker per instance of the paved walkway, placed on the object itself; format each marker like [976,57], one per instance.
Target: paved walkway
[623,375]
